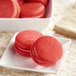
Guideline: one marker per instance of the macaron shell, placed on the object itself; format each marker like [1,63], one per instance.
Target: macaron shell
[38,1]
[39,16]
[38,60]
[16,8]
[26,38]
[7,6]
[20,2]
[51,50]
[22,46]
[46,51]
[43,16]
[32,10]
[21,52]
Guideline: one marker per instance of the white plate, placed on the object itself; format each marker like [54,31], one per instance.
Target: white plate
[19,24]
[11,59]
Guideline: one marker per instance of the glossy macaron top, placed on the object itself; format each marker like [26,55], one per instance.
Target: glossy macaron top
[46,51]
[39,1]
[31,9]
[26,38]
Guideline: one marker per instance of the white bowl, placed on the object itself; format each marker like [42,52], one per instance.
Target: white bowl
[12,59]
[19,24]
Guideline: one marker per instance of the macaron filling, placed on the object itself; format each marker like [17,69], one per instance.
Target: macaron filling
[22,53]
[24,50]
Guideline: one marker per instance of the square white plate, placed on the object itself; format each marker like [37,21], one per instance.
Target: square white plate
[11,59]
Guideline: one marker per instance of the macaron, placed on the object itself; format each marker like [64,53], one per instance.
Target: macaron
[24,41]
[18,9]
[20,2]
[38,1]
[32,10]
[8,9]
[46,51]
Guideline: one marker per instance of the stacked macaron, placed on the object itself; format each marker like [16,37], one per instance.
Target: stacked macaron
[23,8]
[24,40]
[44,50]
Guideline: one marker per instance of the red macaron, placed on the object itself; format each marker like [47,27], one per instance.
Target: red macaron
[32,10]
[8,9]
[46,51]
[38,1]
[24,40]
